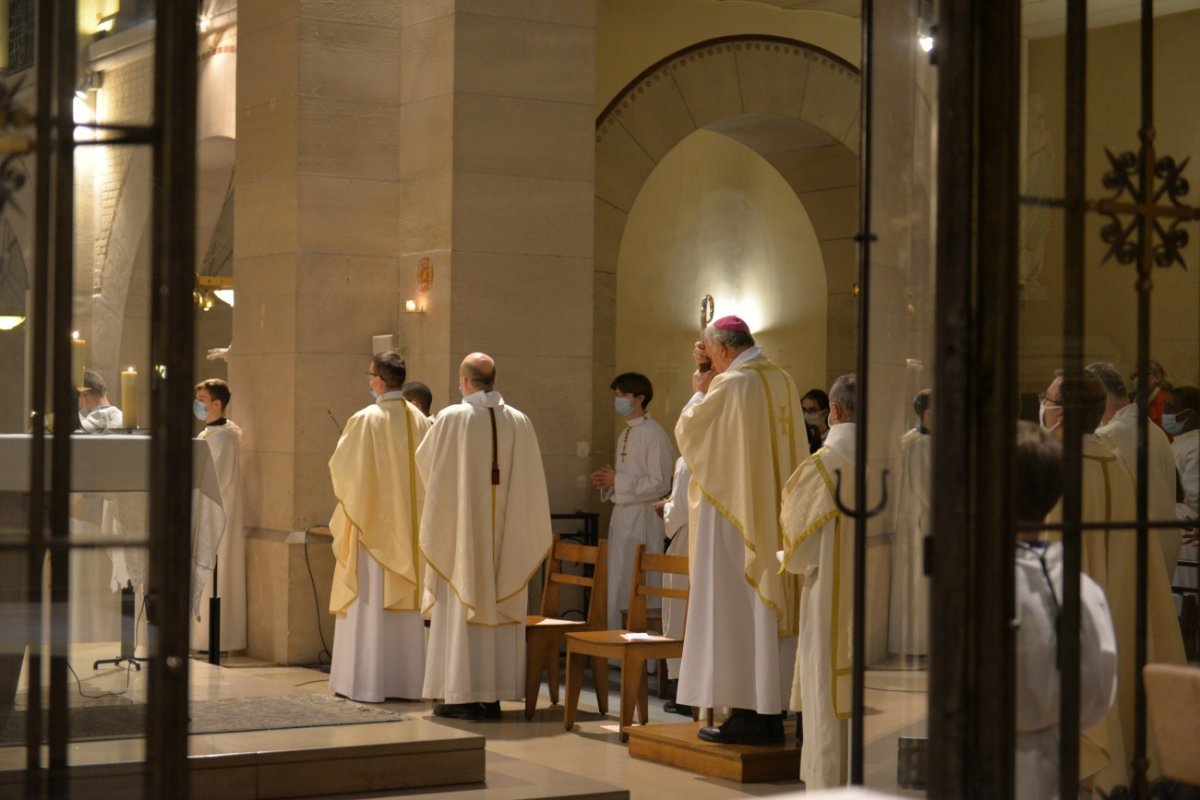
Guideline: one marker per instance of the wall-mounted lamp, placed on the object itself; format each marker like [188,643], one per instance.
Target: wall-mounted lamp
[413,307]
[209,287]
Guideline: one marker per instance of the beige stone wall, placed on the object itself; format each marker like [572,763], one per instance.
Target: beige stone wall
[716,218]
[1112,122]
[634,34]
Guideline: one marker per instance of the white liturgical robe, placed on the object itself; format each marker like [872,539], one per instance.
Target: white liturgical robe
[675,523]
[642,462]
[740,440]
[485,529]
[379,636]
[908,612]
[225,442]
[1110,558]
[1186,451]
[1038,600]
[819,547]
[1121,433]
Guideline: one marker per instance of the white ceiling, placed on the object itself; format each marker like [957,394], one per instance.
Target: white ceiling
[1039,18]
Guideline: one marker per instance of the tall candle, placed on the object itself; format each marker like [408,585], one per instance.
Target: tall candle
[78,358]
[129,397]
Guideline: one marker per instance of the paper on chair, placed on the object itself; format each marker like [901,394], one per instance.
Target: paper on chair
[556,621]
[645,637]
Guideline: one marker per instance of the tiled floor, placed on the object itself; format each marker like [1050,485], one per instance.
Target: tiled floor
[524,757]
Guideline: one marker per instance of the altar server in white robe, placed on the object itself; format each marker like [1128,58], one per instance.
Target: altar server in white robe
[641,477]
[1039,599]
[740,434]
[485,529]
[95,610]
[675,524]
[908,612]
[378,635]
[1119,428]
[1110,558]
[819,547]
[224,439]
[1181,419]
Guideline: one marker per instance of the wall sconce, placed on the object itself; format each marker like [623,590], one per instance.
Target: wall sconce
[213,286]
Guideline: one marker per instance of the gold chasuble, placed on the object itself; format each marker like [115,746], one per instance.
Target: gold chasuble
[485,528]
[1110,559]
[379,498]
[741,442]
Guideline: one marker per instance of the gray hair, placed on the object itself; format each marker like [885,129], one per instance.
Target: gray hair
[1106,372]
[734,340]
[843,390]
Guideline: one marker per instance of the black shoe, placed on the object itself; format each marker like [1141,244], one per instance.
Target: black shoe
[468,711]
[489,710]
[671,707]
[746,727]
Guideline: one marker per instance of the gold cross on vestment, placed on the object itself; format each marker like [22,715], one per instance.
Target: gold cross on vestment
[785,421]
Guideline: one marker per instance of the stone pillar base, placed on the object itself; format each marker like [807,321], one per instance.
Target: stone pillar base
[282,614]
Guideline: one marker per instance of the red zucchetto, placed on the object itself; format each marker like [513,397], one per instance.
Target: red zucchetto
[732,323]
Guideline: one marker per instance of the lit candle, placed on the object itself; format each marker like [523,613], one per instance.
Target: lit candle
[78,358]
[410,305]
[129,397]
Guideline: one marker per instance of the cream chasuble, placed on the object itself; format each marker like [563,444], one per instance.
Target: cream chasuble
[378,502]
[1110,558]
[483,538]
[819,547]
[379,637]
[741,440]
[225,443]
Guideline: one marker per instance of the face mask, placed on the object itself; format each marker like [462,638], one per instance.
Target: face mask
[623,405]
[1042,419]
[199,410]
[1171,424]
[813,418]
[462,392]
[374,394]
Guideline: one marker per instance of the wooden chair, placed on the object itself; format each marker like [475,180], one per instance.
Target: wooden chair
[545,632]
[635,654]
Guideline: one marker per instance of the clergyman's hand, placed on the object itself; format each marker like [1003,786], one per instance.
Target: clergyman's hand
[701,380]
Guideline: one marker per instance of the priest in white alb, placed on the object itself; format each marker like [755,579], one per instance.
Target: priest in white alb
[485,529]
[1119,428]
[740,434]
[379,635]
[1110,558]
[819,547]
[224,439]
[908,612]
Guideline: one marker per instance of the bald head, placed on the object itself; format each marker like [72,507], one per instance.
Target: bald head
[477,373]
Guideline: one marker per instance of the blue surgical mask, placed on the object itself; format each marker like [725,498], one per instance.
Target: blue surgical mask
[623,405]
[199,410]
[1171,424]
[374,394]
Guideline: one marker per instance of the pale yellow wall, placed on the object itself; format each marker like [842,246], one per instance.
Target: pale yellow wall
[634,34]
[715,218]
[1112,121]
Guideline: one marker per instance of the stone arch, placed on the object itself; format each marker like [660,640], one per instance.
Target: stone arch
[794,104]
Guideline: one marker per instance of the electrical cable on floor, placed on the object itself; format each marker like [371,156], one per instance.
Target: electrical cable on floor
[317,605]
[128,665]
[308,683]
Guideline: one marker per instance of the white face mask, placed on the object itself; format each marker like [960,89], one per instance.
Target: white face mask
[1042,418]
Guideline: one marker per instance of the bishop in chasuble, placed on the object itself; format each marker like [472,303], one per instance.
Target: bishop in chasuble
[379,636]
[741,435]
[485,530]
[819,547]
[1110,559]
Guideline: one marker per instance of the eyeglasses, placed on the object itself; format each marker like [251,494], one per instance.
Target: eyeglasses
[373,375]
[810,409]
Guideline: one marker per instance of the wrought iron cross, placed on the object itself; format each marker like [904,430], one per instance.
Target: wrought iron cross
[1139,183]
